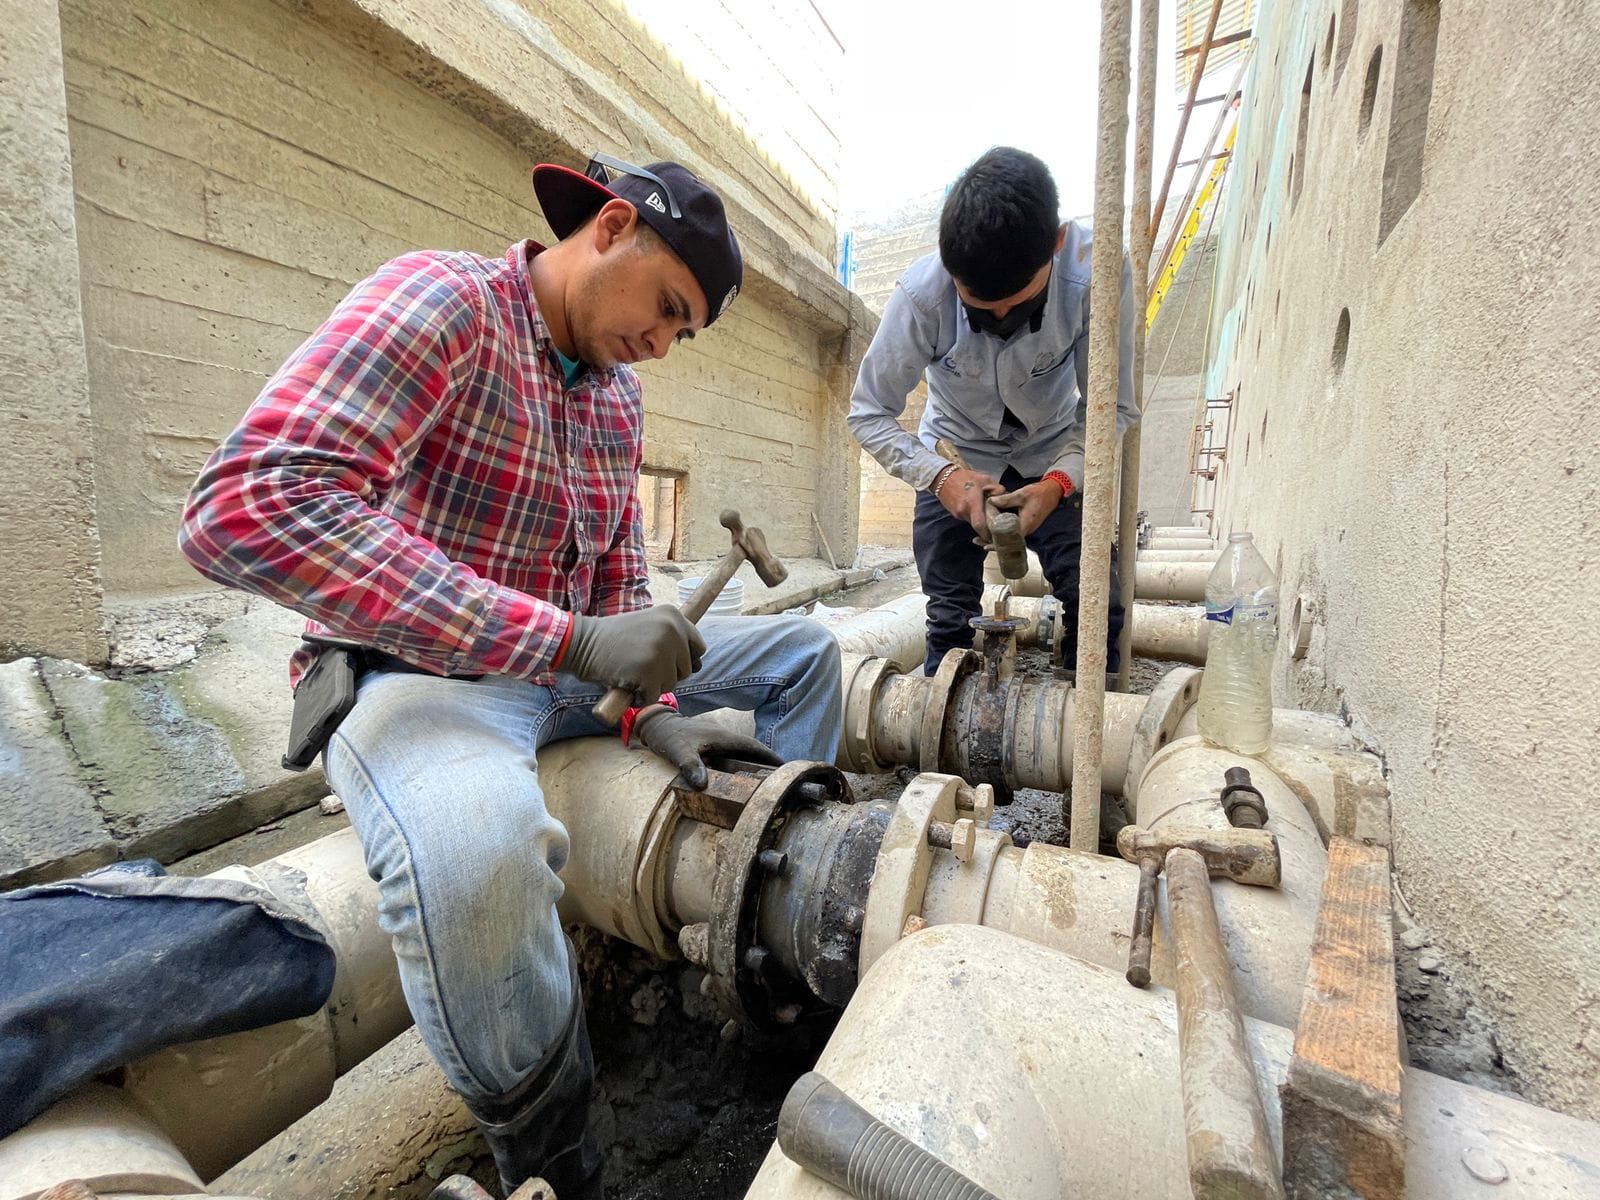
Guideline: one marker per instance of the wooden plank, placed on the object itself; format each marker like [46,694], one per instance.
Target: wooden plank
[1341,1101]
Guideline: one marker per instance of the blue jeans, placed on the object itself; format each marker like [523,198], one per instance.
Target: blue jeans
[951,567]
[440,780]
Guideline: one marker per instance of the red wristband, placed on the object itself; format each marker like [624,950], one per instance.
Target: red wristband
[1063,479]
[631,715]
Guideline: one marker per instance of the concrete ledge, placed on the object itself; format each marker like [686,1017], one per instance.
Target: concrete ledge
[50,824]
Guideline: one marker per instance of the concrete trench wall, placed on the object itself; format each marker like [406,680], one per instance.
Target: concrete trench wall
[238,165]
[1414,442]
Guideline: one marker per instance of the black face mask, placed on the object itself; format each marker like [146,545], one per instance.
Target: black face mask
[1026,313]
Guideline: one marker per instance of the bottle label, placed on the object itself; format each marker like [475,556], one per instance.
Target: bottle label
[1255,612]
[1224,615]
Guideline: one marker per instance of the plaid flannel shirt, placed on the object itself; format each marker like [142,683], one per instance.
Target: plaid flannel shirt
[418,478]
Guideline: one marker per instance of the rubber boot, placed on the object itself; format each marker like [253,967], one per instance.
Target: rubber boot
[542,1127]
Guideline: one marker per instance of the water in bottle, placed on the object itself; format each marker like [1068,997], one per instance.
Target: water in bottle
[1242,616]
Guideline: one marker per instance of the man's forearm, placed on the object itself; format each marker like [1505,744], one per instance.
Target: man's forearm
[899,453]
[311,546]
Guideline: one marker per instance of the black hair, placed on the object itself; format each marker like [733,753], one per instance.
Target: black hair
[999,223]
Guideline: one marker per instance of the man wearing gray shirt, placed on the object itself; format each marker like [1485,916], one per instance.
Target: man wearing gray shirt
[998,321]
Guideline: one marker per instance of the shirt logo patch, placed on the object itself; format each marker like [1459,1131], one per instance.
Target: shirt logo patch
[654,201]
[1048,361]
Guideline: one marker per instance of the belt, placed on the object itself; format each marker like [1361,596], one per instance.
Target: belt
[372,659]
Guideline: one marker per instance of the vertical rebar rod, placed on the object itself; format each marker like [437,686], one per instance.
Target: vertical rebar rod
[1100,436]
[1140,243]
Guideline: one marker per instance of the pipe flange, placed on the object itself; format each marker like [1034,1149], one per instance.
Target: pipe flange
[954,665]
[1172,697]
[861,689]
[900,875]
[758,999]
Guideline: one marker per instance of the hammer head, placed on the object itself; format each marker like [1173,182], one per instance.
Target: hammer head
[1242,855]
[753,543]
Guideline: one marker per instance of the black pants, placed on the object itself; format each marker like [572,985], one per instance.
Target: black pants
[951,567]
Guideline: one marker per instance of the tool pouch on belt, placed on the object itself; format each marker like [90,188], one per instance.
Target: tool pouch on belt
[324,696]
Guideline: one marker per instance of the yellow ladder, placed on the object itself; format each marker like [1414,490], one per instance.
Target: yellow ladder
[1190,228]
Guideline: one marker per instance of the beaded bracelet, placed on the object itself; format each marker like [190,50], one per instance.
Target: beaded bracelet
[939,480]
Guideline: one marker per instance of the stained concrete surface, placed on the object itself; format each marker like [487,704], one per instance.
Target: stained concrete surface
[50,824]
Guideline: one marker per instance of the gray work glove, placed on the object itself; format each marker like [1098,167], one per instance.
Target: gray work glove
[646,652]
[685,741]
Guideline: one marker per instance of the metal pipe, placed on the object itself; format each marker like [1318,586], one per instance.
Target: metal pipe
[1100,421]
[1183,118]
[1139,244]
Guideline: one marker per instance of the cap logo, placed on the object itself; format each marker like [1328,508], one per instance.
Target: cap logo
[654,201]
[728,299]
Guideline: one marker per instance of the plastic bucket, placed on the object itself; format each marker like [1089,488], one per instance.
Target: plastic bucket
[729,602]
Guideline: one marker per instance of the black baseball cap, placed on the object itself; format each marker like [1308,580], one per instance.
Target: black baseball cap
[686,213]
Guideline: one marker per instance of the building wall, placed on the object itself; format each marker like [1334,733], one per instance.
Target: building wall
[1410,324]
[239,165]
[50,598]
[775,67]
[884,249]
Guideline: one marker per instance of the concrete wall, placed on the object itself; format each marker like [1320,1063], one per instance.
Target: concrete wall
[775,68]
[1410,318]
[49,589]
[238,165]
[884,248]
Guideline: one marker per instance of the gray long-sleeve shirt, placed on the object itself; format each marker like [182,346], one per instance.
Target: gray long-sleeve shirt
[973,378]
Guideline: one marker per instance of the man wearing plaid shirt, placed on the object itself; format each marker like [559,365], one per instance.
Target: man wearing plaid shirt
[446,475]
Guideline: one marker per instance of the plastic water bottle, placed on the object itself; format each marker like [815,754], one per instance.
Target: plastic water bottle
[1236,690]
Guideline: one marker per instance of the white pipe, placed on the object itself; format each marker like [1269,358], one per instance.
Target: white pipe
[1181,531]
[192,1090]
[1040,1076]
[896,631]
[1337,780]
[1171,633]
[1152,580]
[1171,580]
[638,871]
[1199,545]
[1208,555]
[98,1135]
[1168,632]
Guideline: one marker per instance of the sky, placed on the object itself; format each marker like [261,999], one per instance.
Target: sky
[930,85]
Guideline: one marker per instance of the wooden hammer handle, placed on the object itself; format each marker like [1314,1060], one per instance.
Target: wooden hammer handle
[615,702]
[1230,1149]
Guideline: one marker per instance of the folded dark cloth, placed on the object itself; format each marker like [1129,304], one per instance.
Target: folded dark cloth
[98,971]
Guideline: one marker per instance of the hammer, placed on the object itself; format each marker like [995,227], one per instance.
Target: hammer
[1243,855]
[748,544]
[1003,531]
[1225,1128]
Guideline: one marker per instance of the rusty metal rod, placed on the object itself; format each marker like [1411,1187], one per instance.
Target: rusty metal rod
[1100,435]
[1225,40]
[1183,119]
[1139,243]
